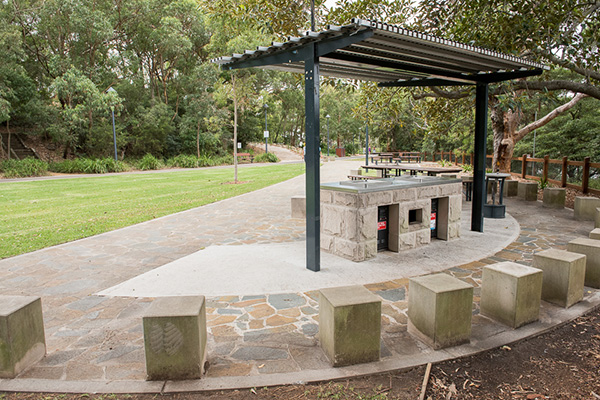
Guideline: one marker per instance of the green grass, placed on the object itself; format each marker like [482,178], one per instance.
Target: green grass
[38,214]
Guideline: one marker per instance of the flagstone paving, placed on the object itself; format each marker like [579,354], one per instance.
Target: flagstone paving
[91,337]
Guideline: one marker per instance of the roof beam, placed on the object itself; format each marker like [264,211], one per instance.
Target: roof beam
[488,78]
[301,52]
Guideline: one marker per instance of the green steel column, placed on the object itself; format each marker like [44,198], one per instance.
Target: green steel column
[479,192]
[311,104]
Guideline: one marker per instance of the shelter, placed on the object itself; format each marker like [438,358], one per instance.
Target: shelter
[392,56]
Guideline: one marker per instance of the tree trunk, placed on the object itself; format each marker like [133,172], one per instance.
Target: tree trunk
[506,136]
[8,131]
[235,124]
[198,139]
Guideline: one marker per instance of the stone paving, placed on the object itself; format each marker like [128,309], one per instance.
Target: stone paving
[96,338]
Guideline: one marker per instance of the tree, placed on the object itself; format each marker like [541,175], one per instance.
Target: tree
[560,34]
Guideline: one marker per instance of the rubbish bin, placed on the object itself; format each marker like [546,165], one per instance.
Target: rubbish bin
[433,220]
[383,213]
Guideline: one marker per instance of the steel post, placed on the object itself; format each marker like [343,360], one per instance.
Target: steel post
[313,223]
[479,192]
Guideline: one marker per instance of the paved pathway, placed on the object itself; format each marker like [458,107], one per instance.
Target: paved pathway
[98,338]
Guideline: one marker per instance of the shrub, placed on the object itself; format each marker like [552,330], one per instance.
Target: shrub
[184,161]
[350,149]
[88,166]
[467,168]
[149,162]
[266,157]
[23,168]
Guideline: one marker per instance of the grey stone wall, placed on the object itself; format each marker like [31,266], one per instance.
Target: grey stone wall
[349,220]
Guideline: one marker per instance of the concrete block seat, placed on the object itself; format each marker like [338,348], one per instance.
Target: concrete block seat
[511,188]
[440,310]
[511,293]
[298,206]
[591,249]
[564,275]
[350,325]
[554,197]
[22,340]
[175,338]
[597,218]
[585,208]
[527,191]
[595,234]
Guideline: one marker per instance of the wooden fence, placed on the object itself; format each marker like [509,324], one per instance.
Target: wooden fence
[526,162]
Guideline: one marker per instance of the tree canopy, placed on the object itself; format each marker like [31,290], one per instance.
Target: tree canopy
[61,57]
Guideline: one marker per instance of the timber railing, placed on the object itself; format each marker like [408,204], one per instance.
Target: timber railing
[578,175]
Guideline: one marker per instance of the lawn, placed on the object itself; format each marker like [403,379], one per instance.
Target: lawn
[38,214]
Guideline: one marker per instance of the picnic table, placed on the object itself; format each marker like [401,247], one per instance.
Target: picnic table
[413,169]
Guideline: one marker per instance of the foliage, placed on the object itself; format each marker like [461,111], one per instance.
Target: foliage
[350,149]
[183,161]
[149,162]
[543,183]
[266,157]
[88,166]
[38,214]
[467,167]
[23,168]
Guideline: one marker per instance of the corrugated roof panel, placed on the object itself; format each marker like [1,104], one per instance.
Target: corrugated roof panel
[390,53]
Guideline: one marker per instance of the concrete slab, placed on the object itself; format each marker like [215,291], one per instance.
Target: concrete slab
[257,269]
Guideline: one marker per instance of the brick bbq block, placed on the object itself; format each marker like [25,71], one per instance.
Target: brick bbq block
[22,341]
[511,293]
[564,275]
[349,325]
[175,338]
[440,310]
[591,248]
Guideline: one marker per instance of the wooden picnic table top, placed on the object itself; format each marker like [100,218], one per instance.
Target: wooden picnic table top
[413,167]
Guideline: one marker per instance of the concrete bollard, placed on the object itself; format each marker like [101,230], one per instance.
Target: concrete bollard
[554,197]
[511,293]
[527,191]
[511,188]
[440,310]
[299,207]
[22,340]
[585,208]
[350,325]
[175,338]
[591,248]
[564,275]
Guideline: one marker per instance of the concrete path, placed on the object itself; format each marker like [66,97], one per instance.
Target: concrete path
[95,291]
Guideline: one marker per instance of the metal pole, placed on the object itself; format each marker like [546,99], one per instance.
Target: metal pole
[479,192]
[266,130]
[313,221]
[327,116]
[367,137]
[114,132]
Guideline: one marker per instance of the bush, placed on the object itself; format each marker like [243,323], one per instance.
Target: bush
[266,157]
[149,162]
[350,149]
[23,168]
[184,161]
[88,166]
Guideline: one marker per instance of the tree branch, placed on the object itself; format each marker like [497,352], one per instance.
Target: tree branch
[567,64]
[437,93]
[576,87]
[520,134]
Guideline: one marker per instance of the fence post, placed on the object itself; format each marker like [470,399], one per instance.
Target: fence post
[463,158]
[524,166]
[471,159]
[585,179]
[545,168]
[563,179]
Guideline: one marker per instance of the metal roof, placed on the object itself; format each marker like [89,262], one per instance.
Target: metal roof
[375,51]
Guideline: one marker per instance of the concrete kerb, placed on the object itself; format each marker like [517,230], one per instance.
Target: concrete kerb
[560,317]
